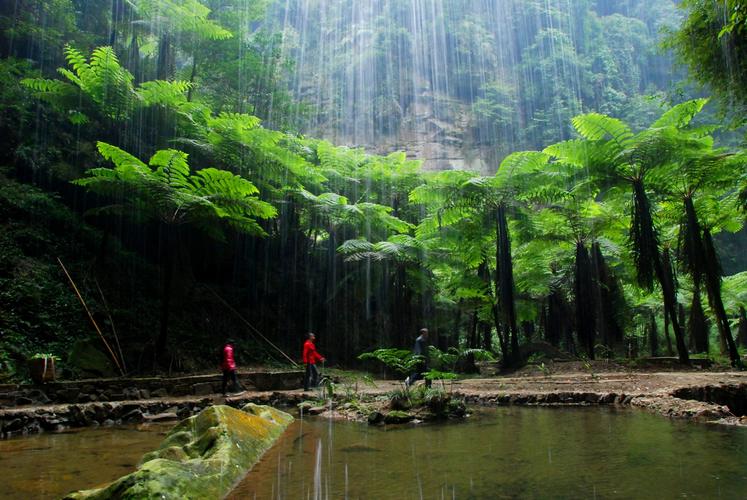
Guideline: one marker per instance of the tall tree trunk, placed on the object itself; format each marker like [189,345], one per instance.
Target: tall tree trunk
[584,300]
[166,64]
[713,286]
[505,284]
[117,13]
[653,335]
[527,328]
[483,271]
[610,297]
[704,264]
[192,75]
[648,258]
[472,338]
[168,262]
[742,332]
[557,323]
[698,323]
[670,352]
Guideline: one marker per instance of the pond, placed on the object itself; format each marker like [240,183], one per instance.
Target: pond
[512,452]
[54,464]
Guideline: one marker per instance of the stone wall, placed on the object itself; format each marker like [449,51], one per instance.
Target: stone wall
[134,389]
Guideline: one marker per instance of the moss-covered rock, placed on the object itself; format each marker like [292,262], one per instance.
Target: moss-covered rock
[202,457]
[397,417]
[86,360]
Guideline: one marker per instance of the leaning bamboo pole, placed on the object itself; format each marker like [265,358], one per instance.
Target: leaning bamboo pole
[254,330]
[90,316]
[111,322]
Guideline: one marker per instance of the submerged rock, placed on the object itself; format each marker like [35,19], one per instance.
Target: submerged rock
[397,417]
[202,457]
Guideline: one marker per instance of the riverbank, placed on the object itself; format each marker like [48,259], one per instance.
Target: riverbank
[719,397]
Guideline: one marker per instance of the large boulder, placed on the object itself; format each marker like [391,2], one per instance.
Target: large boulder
[86,361]
[202,457]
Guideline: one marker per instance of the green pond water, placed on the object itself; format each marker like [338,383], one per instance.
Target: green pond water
[498,453]
[506,453]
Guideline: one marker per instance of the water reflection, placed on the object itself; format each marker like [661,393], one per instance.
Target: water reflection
[506,453]
[51,465]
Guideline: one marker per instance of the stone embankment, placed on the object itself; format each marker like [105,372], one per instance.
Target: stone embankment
[719,397]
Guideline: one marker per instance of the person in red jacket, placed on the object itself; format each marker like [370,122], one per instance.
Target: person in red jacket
[310,357]
[228,366]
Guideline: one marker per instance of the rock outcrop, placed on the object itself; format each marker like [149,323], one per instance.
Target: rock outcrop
[202,457]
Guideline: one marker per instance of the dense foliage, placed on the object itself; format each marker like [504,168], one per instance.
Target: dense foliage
[590,243]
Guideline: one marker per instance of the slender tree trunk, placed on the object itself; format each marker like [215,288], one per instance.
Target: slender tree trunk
[505,283]
[598,288]
[527,328]
[704,264]
[610,298]
[713,285]
[168,261]
[165,64]
[670,352]
[649,256]
[654,336]
[472,339]
[483,272]
[584,300]
[192,75]
[742,335]
[116,14]
[698,323]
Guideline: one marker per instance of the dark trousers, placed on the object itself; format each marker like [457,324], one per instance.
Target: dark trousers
[417,375]
[230,374]
[311,378]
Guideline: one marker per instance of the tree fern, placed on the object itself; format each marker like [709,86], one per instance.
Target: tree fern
[171,192]
[595,126]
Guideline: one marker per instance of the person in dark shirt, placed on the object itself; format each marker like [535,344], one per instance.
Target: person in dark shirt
[421,349]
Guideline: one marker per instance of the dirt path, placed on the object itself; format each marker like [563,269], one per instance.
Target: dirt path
[704,396]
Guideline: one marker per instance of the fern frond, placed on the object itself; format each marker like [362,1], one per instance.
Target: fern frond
[681,115]
[172,168]
[595,127]
[163,93]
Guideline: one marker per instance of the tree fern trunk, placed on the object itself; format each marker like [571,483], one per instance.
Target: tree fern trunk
[713,285]
[670,352]
[704,265]
[167,265]
[165,64]
[584,300]
[648,258]
[698,323]
[653,336]
[742,335]
[505,273]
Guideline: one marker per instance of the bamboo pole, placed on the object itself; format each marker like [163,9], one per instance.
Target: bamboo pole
[111,322]
[250,325]
[90,316]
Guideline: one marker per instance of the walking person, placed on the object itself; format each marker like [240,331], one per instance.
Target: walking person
[421,349]
[228,367]
[310,356]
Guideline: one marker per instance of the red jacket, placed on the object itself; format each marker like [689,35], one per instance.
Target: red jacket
[310,356]
[228,362]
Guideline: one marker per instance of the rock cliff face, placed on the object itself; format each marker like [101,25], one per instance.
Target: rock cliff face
[436,129]
[202,457]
